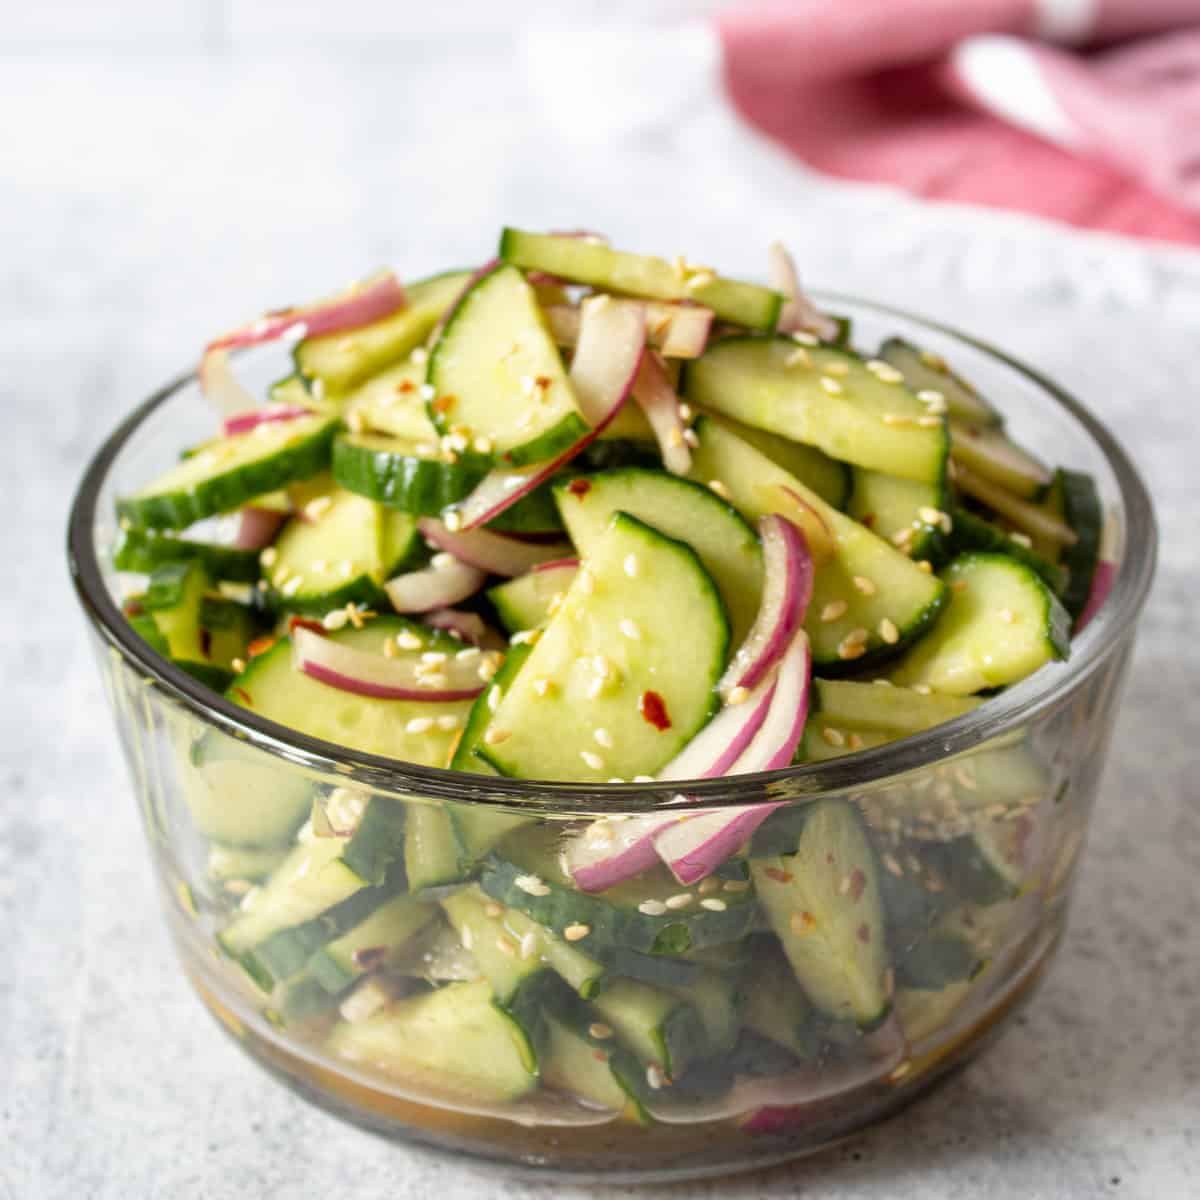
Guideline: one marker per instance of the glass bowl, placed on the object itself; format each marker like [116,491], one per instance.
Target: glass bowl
[353,1026]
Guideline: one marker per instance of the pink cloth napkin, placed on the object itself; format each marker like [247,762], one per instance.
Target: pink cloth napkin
[970,100]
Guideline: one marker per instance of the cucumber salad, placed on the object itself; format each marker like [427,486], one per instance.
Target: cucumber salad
[596,517]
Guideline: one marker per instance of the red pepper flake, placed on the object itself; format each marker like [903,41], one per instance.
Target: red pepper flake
[406,385]
[134,608]
[306,623]
[863,933]
[206,643]
[443,404]
[829,857]
[579,487]
[599,1056]
[868,519]
[778,876]
[858,884]
[543,381]
[260,645]
[369,957]
[243,696]
[654,710]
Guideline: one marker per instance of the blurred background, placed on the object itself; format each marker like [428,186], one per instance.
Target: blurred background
[169,168]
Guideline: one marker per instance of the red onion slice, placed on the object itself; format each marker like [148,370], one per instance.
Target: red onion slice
[1103,578]
[787,590]
[469,626]
[256,527]
[608,851]
[220,385]
[365,674]
[244,422]
[774,745]
[654,395]
[491,552]
[714,750]
[363,303]
[437,586]
[799,313]
[558,564]
[678,329]
[612,339]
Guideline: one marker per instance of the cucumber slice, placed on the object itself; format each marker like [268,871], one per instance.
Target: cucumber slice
[143,625]
[246,863]
[902,594]
[992,455]
[974,533]
[226,629]
[777,1008]
[339,551]
[621,620]
[1073,499]
[174,597]
[583,974]
[378,839]
[682,509]
[231,471]
[497,374]
[144,550]
[888,505]
[824,904]
[938,961]
[595,1069]
[274,689]
[524,873]
[342,360]
[391,404]
[372,944]
[923,1012]
[718,1002]
[926,371]
[824,397]
[830,479]
[525,602]
[413,476]
[1002,624]
[584,260]
[843,704]
[660,1028]
[452,1040]
[432,853]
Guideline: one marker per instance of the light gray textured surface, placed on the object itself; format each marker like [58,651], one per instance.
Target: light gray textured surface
[148,202]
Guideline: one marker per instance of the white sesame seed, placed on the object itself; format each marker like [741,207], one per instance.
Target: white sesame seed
[864,585]
[831,386]
[738,695]
[886,373]
[389,647]
[448,722]
[599,1030]
[345,568]
[736,885]
[836,367]
[691,439]
[269,557]
[929,422]
[435,679]
[721,490]
[888,631]
[293,585]
[238,665]
[419,725]
[493,737]
[314,510]
[644,779]
[896,419]
[804,338]
[531,885]
[923,689]
[576,932]
[595,688]
[427,391]
[335,620]
[930,516]
[452,521]
[484,445]
[714,905]
[586,581]
[603,738]
[467,654]
[679,900]
[798,358]
[652,908]
[506,946]
[407,640]
[834,737]
[1021,539]
[630,629]
[467,938]
[528,945]
[544,687]
[655,1077]
[434,656]
[685,411]
[592,760]
[833,610]
[631,565]
[848,649]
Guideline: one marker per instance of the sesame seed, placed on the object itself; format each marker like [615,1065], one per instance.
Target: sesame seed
[798,358]
[713,905]
[525,636]
[336,620]
[833,610]
[599,1030]
[586,581]
[493,737]
[844,885]
[848,650]
[467,654]
[736,885]
[896,419]
[708,886]
[592,760]
[886,373]
[936,361]
[700,280]
[652,908]
[902,538]
[544,687]
[929,422]
[888,631]
[738,695]
[715,485]
[448,723]
[506,946]
[427,391]
[805,338]
[452,521]
[679,900]
[685,411]
[900,1071]
[488,668]
[434,656]
[923,564]
[1021,539]
[269,557]
[603,738]
[691,439]
[644,779]
[854,742]
[930,516]
[419,355]
[890,863]
[280,576]
[493,910]
[857,635]
[831,386]
[389,647]
[238,665]
[531,885]
[345,568]
[436,679]
[467,938]
[631,565]
[529,945]
[923,689]
[655,1077]
[801,922]
[419,725]
[293,585]
[407,640]
[630,629]
[931,396]
[314,510]
[484,445]
[834,737]
[576,932]
[864,585]
[595,688]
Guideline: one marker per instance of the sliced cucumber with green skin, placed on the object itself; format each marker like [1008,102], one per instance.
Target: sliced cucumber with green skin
[453,1040]
[248,863]
[232,471]
[433,855]
[623,620]
[143,625]
[925,371]
[887,504]
[524,873]
[822,740]
[298,1001]
[687,511]
[992,455]
[378,840]
[659,1027]
[372,944]
[777,1008]
[824,904]
[341,554]
[845,704]
[174,596]
[1073,499]
[718,1000]
[274,689]
[937,961]
[1001,624]
[584,260]
[496,372]
[412,476]
[293,389]
[524,602]
[226,629]
[342,360]
[829,478]
[902,593]
[595,1069]
[974,533]
[583,974]
[924,1012]
[391,404]
[991,863]
[823,397]
[144,550]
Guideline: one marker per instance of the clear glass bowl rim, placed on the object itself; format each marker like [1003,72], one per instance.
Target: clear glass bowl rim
[994,718]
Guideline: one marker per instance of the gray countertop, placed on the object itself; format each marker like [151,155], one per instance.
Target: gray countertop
[148,201]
